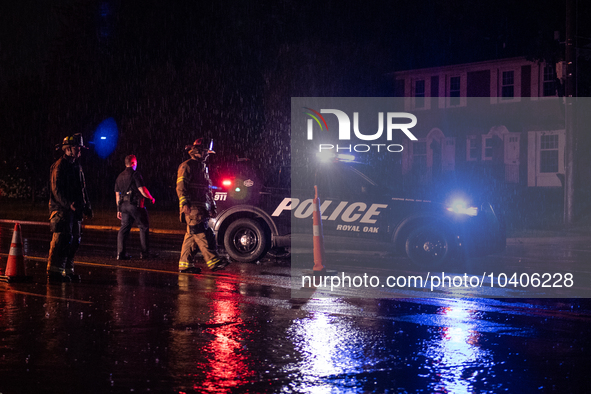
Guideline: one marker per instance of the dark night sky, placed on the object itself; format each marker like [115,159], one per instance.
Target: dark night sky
[411,33]
[168,71]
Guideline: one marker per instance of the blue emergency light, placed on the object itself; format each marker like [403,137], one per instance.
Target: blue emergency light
[105,137]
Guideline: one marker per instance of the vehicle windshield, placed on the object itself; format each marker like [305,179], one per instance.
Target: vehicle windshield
[386,182]
[375,175]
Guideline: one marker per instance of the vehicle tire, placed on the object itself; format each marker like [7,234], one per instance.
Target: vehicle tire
[428,246]
[245,241]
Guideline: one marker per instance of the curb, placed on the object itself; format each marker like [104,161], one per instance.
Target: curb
[572,233]
[97,227]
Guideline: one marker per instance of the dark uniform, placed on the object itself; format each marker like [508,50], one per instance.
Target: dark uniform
[131,206]
[68,186]
[193,188]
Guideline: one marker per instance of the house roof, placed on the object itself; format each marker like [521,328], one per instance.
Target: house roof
[463,67]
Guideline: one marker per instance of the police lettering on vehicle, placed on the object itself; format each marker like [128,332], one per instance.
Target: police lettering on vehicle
[357,229]
[345,211]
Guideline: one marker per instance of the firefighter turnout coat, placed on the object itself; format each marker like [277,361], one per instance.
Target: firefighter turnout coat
[193,186]
[68,186]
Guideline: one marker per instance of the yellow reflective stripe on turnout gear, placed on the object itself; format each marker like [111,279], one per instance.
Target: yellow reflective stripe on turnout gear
[183,264]
[211,263]
[183,201]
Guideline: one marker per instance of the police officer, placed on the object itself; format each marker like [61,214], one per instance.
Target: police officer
[68,203]
[130,192]
[196,205]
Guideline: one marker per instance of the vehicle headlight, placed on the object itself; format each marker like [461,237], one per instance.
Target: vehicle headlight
[460,207]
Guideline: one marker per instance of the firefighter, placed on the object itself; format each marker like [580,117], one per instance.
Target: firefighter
[196,205]
[68,203]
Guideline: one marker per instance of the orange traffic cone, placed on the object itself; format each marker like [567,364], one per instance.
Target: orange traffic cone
[318,237]
[15,265]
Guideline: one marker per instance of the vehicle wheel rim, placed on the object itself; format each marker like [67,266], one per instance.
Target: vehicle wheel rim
[429,248]
[245,241]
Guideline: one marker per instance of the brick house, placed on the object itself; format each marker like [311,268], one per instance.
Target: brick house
[502,118]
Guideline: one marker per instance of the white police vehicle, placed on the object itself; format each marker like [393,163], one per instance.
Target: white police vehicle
[357,213]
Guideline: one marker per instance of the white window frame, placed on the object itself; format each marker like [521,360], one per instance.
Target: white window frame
[459,91]
[414,97]
[463,77]
[485,138]
[535,177]
[555,148]
[502,85]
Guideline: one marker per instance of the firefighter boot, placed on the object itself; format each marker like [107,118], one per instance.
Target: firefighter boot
[190,270]
[217,264]
[189,267]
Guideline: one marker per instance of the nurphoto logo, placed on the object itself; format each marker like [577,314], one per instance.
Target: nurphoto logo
[344,129]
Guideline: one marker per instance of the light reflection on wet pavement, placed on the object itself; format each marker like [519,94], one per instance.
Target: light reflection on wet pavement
[148,329]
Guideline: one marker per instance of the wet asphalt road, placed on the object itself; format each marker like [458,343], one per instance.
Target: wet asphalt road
[142,327]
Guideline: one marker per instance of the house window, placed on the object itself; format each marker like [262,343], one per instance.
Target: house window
[549,81]
[471,149]
[454,91]
[488,148]
[420,94]
[546,151]
[549,153]
[508,85]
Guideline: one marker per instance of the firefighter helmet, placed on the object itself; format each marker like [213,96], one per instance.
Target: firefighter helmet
[73,140]
[196,145]
[200,147]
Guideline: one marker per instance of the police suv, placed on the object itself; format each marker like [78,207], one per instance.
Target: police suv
[357,213]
